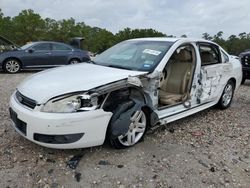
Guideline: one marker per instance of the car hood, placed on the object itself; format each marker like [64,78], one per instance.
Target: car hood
[7,45]
[71,78]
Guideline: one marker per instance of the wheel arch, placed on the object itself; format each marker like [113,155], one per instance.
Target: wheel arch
[72,58]
[233,80]
[16,58]
[124,94]
[117,98]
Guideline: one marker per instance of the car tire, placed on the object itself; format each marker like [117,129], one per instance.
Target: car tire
[74,61]
[243,80]
[227,95]
[137,129]
[12,66]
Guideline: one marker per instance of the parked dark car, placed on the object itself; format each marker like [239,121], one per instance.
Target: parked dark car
[245,61]
[39,55]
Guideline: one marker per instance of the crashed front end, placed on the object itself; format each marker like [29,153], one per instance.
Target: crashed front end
[73,120]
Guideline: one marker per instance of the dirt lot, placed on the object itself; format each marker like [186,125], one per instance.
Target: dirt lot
[208,149]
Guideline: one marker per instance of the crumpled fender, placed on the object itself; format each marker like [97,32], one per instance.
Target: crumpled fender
[120,121]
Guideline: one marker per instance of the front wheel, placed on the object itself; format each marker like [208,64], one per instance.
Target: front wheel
[12,66]
[136,131]
[227,95]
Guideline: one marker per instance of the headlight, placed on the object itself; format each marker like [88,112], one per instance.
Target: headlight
[71,103]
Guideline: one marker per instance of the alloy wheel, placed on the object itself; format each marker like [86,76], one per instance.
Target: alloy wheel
[228,94]
[136,130]
[74,61]
[12,66]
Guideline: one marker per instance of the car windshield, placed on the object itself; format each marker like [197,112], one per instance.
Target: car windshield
[134,55]
[26,46]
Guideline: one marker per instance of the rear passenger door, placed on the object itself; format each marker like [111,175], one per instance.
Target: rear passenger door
[60,54]
[211,72]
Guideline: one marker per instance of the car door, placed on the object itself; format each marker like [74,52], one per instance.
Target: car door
[61,54]
[38,55]
[211,72]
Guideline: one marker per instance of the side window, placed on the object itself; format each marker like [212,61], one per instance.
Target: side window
[209,54]
[42,47]
[60,47]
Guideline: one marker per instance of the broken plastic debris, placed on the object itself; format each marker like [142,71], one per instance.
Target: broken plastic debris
[171,130]
[212,169]
[120,166]
[73,162]
[78,176]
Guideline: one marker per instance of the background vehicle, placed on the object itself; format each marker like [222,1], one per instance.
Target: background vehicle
[39,55]
[245,61]
[131,87]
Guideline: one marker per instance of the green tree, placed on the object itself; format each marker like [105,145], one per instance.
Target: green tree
[206,36]
[6,26]
[243,35]
[28,26]
[128,33]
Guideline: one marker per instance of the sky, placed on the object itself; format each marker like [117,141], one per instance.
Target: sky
[172,17]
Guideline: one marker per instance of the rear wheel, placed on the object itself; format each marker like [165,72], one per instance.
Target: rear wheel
[136,131]
[12,66]
[227,95]
[74,61]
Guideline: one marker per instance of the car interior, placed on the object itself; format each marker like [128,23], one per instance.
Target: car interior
[209,55]
[176,79]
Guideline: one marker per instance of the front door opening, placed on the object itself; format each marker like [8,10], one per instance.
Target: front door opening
[176,79]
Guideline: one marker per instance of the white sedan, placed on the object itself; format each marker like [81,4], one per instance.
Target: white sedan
[133,86]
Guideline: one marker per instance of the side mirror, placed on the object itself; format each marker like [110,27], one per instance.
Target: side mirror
[31,50]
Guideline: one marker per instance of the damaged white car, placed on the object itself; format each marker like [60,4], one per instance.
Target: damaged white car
[136,85]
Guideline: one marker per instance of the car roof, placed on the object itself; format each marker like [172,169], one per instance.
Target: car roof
[172,39]
[37,42]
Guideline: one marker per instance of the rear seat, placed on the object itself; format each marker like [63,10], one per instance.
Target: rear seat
[207,58]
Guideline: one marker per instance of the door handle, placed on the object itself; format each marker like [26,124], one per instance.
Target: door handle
[48,53]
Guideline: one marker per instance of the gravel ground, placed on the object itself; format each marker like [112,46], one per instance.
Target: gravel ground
[208,149]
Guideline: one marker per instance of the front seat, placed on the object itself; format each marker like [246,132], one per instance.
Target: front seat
[174,88]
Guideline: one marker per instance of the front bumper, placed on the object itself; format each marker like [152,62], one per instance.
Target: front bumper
[91,125]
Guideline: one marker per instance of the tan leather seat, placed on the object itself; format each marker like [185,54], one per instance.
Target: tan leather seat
[175,87]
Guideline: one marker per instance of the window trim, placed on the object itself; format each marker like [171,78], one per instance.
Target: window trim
[213,46]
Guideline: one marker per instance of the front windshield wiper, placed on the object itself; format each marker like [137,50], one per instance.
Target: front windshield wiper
[119,67]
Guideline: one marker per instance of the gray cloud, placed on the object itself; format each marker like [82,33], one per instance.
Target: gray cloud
[190,17]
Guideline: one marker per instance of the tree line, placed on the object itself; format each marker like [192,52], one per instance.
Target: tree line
[30,26]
